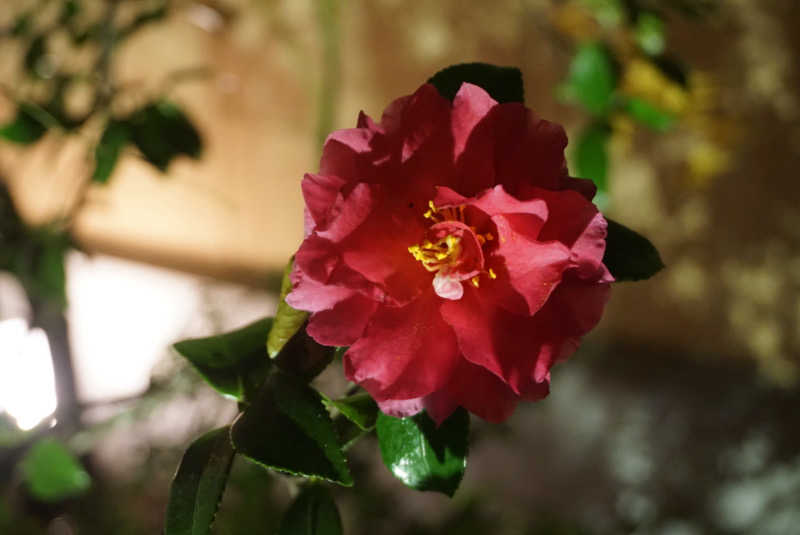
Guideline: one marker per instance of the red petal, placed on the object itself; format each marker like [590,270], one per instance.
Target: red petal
[470,106]
[350,212]
[576,223]
[496,201]
[406,352]
[504,343]
[531,268]
[344,323]
[426,113]
[481,393]
[312,296]
[320,193]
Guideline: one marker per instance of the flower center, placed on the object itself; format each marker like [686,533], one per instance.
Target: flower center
[452,250]
[435,256]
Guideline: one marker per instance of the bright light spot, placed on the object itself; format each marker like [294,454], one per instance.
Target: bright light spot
[122,318]
[27,385]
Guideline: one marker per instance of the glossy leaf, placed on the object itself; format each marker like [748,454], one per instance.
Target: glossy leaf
[199,483]
[649,115]
[234,363]
[25,128]
[360,409]
[106,153]
[161,131]
[313,513]
[504,84]
[423,456]
[287,428]
[630,256]
[287,319]
[591,154]
[592,79]
[52,473]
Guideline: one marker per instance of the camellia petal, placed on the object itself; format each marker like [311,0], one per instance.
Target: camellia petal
[405,352]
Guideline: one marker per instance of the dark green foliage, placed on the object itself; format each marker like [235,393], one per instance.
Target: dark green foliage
[592,79]
[199,483]
[591,154]
[630,256]
[649,115]
[423,456]
[504,84]
[304,357]
[25,128]
[52,473]
[108,149]
[287,428]
[234,363]
[313,513]
[161,131]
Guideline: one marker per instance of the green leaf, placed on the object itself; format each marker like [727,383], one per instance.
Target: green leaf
[161,131]
[592,79]
[25,128]
[235,363]
[630,256]
[52,473]
[199,483]
[591,154]
[304,357]
[313,513]
[649,115]
[649,33]
[287,428]
[504,84]
[423,456]
[287,319]
[360,409]
[106,153]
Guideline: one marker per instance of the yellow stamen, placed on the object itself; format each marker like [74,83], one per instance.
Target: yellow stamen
[476,281]
[434,256]
[492,274]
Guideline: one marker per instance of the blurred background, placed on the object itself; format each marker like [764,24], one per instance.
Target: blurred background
[150,160]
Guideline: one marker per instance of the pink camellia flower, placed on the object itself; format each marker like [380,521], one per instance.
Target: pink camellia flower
[449,248]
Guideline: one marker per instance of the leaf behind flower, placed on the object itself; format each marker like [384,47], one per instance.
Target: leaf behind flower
[630,256]
[504,84]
